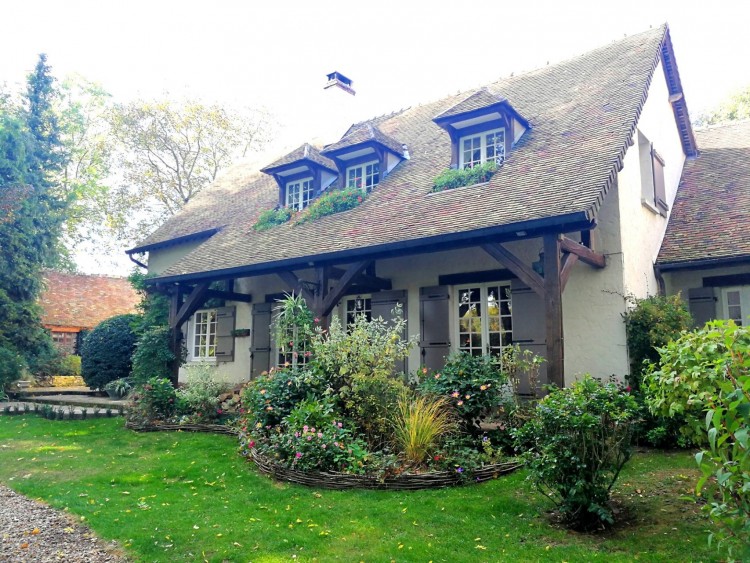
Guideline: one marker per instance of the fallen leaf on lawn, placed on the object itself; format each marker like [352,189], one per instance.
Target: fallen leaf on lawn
[35,531]
[25,545]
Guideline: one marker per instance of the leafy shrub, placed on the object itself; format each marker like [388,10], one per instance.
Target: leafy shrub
[156,399]
[581,440]
[152,356]
[419,424]
[331,202]
[457,178]
[293,328]
[473,385]
[358,362]
[650,325]
[272,217]
[272,396]
[119,386]
[200,395]
[705,375]
[106,351]
[59,364]
[12,366]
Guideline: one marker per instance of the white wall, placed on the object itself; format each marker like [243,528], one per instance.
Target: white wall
[162,258]
[680,281]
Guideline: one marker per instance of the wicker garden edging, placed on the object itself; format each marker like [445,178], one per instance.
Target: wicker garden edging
[342,481]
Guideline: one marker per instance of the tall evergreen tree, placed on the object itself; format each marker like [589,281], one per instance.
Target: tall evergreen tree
[32,214]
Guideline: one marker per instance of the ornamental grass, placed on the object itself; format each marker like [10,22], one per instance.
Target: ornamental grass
[420,423]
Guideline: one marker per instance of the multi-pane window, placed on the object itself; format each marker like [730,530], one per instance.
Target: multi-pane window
[736,303]
[484,319]
[299,194]
[204,335]
[65,341]
[485,147]
[363,176]
[358,306]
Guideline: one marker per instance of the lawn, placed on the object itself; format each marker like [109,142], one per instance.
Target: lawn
[190,497]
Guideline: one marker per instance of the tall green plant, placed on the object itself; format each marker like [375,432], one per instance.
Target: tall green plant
[419,424]
[580,440]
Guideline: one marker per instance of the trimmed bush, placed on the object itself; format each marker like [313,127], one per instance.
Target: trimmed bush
[156,399]
[581,439]
[12,366]
[106,351]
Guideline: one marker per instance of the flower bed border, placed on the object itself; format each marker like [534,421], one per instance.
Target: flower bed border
[343,481]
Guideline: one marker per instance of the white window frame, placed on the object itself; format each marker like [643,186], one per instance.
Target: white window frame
[206,350]
[484,319]
[299,193]
[729,310]
[364,176]
[366,307]
[479,142]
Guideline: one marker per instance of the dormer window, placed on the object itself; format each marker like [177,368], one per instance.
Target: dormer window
[363,176]
[299,194]
[365,156]
[479,149]
[483,128]
[302,175]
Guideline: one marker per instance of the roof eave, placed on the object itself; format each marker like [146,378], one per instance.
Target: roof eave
[205,234]
[679,105]
[702,263]
[533,228]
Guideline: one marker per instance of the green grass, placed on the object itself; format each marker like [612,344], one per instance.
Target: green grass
[190,497]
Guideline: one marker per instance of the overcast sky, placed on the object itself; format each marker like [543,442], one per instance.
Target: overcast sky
[398,53]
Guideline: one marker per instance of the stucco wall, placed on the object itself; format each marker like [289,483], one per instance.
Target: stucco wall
[681,281]
[162,258]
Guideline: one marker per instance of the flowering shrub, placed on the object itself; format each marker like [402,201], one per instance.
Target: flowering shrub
[457,178]
[272,396]
[272,217]
[156,399]
[332,202]
[581,439]
[473,385]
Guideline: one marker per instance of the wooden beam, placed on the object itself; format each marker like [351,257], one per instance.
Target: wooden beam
[229,295]
[193,302]
[322,279]
[289,278]
[175,335]
[553,310]
[338,291]
[586,255]
[567,267]
[369,281]
[515,265]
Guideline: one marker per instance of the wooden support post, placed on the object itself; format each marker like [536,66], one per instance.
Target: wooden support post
[515,265]
[338,291]
[322,277]
[175,334]
[568,262]
[553,310]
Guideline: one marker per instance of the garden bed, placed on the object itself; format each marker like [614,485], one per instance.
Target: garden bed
[404,482]
[190,427]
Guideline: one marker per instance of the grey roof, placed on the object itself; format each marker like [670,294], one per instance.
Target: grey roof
[302,153]
[709,220]
[583,113]
[362,133]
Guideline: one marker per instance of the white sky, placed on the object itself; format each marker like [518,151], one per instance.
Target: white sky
[398,53]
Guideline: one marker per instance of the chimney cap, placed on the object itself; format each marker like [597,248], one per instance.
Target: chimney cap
[337,79]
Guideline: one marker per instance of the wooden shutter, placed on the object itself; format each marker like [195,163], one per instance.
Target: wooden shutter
[260,349]
[660,193]
[224,340]
[702,305]
[382,304]
[434,315]
[529,326]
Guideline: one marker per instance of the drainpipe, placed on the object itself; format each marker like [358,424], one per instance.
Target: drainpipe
[136,261]
[660,283]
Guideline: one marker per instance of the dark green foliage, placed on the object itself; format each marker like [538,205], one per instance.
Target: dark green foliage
[272,217]
[30,158]
[332,202]
[106,351]
[472,385]
[457,178]
[152,356]
[649,325]
[60,364]
[11,368]
[581,439]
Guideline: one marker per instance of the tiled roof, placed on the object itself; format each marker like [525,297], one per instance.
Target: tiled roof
[710,215]
[305,152]
[75,300]
[583,114]
[478,100]
[362,133]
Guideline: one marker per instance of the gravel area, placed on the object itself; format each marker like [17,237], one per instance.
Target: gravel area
[33,532]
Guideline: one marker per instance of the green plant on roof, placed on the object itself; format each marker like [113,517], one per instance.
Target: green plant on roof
[272,217]
[333,202]
[452,178]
